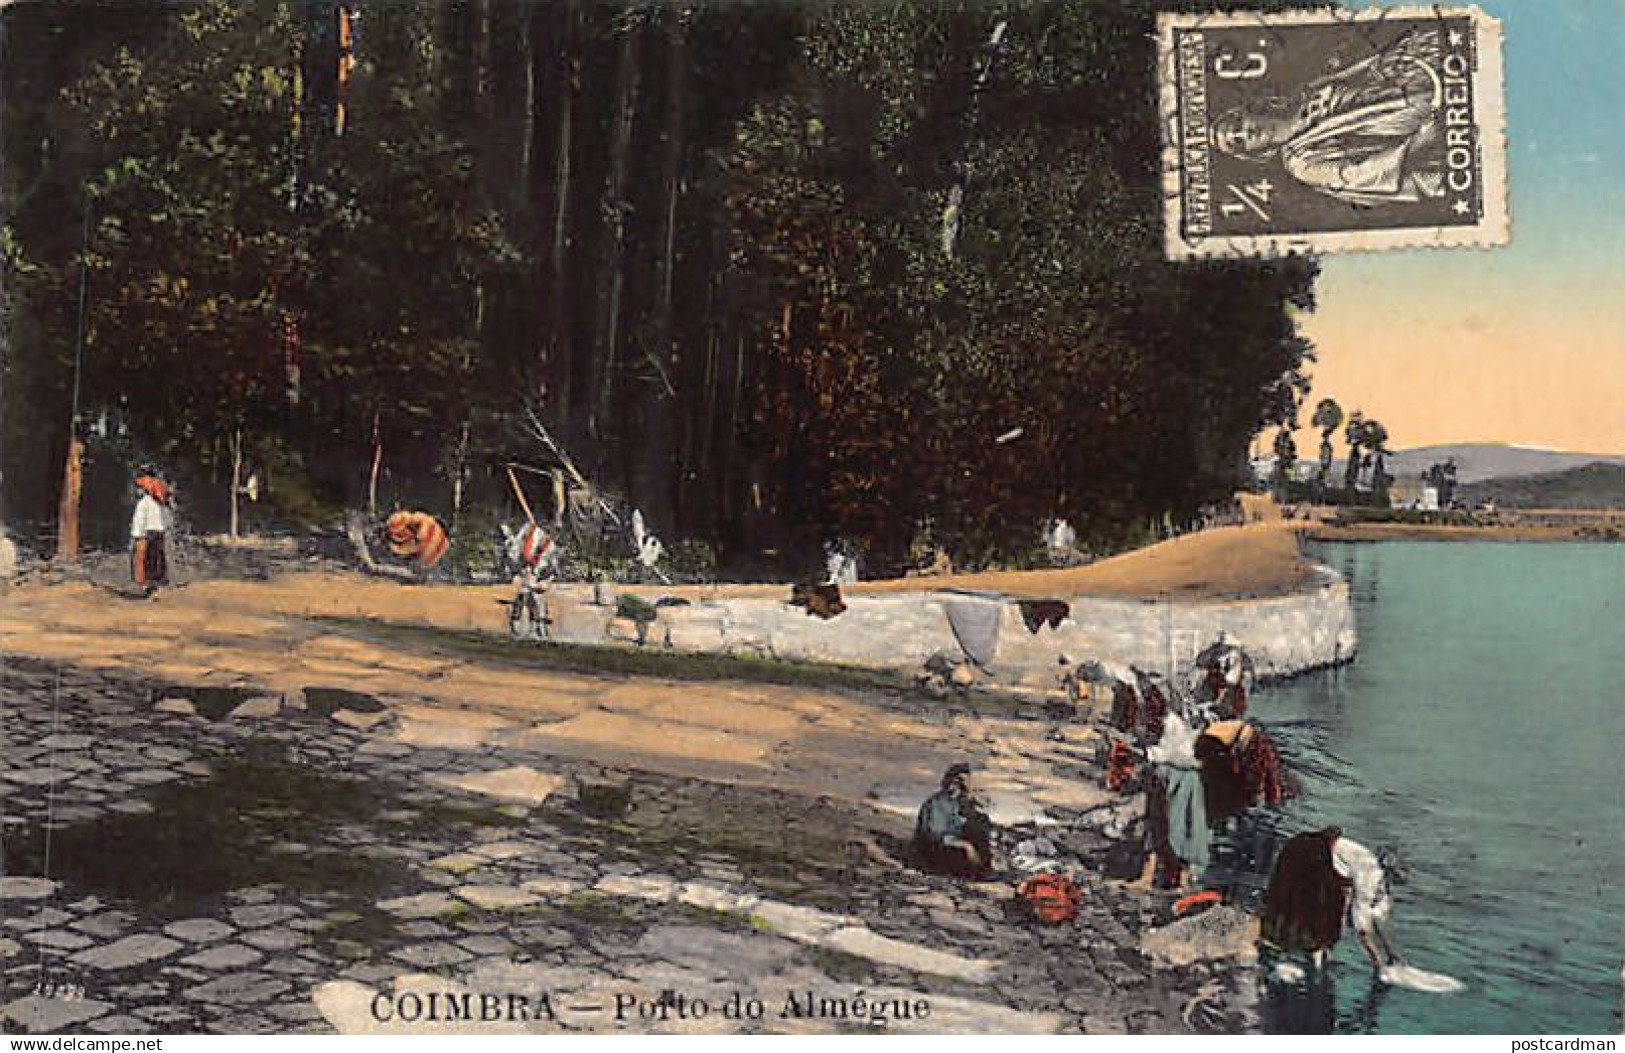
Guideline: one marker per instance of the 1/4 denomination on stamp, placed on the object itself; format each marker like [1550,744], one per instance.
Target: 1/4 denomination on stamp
[1309,131]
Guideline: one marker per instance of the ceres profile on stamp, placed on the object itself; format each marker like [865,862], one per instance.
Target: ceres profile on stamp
[1331,131]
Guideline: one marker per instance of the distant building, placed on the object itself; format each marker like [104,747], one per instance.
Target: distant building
[1263,469]
[1413,494]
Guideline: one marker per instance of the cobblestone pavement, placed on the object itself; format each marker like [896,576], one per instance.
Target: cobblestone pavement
[191,860]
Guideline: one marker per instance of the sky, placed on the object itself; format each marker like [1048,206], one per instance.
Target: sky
[1522,344]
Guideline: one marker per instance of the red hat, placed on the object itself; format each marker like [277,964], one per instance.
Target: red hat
[153,486]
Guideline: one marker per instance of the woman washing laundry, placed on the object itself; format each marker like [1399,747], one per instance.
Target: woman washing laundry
[1178,841]
[1223,671]
[1241,769]
[1321,879]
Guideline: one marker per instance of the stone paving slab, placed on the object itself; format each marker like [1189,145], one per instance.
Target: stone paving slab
[66,742]
[551,886]
[653,889]
[497,897]
[224,956]
[430,955]
[199,930]
[486,945]
[106,925]
[277,939]
[38,918]
[498,851]
[151,776]
[38,1014]
[36,776]
[128,952]
[863,943]
[802,924]
[257,915]
[424,905]
[26,888]
[707,896]
[521,784]
[239,989]
[58,939]
[459,862]
[117,1025]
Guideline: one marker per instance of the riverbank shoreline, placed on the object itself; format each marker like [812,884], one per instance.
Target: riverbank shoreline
[1373,533]
[1535,525]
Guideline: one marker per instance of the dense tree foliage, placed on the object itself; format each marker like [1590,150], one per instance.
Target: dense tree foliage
[776,274]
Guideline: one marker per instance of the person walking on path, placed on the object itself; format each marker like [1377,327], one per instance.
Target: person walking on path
[149,565]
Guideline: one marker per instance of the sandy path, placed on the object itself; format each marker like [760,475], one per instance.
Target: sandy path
[794,738]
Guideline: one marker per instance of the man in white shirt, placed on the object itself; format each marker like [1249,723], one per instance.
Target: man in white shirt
[148,526]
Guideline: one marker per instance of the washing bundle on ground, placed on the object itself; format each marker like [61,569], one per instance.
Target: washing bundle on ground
[416,536]
[1050,898]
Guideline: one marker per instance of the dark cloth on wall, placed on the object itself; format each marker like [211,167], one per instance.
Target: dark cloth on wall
[1038,613]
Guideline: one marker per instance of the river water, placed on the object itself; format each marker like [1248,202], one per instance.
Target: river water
[1479,738]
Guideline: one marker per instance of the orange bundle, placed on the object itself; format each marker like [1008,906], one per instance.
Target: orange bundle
[416,536]
[153,487]
[1050,898]
[1196,902]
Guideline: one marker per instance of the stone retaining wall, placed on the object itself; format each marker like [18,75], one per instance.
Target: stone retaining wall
[1285,634]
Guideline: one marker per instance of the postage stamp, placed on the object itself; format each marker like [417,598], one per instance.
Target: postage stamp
[1331,131]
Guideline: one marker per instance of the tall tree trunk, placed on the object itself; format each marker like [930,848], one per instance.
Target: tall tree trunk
[699,427]
[5,285]
[236,477]
[659,456]
[460,468]
[464,49]
[528,56]
[953,212]
[67,535]
[736,417]
[457,482]
[67,541]
[612,275]
[560,346]
[377,462]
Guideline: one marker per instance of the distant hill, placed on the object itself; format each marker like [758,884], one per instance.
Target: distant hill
[1597,485]
[1478,461]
